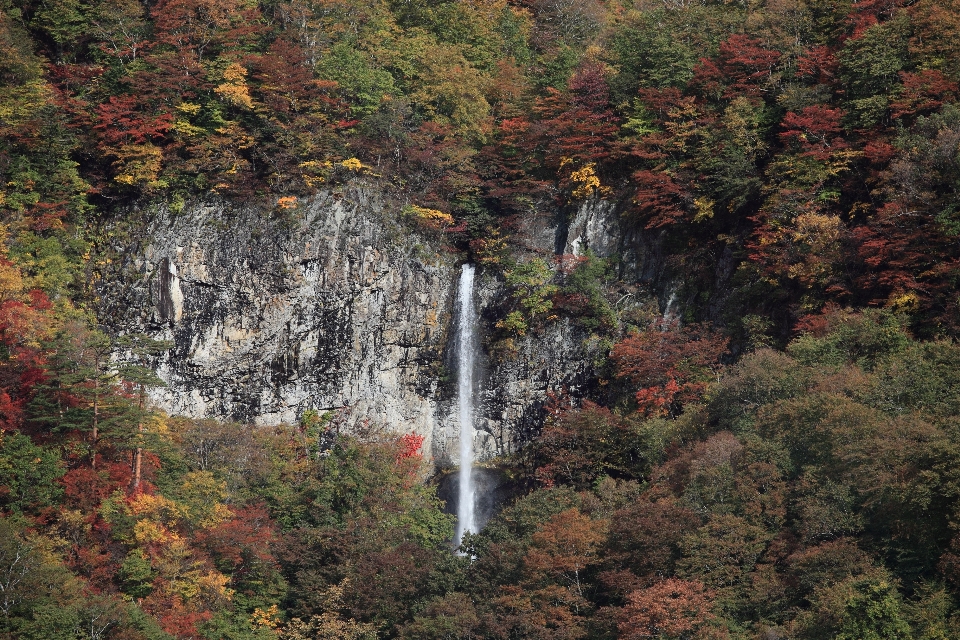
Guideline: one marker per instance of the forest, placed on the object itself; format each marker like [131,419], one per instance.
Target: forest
[781,459]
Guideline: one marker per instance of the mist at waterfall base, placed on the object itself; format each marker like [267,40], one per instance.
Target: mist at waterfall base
[493,488]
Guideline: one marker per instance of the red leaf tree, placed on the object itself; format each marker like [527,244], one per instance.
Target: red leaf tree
[668,609]
[671,364]
[742,67]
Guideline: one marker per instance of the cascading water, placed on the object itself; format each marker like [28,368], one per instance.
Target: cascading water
[466,350]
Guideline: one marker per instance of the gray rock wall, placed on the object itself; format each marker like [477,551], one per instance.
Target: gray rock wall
[332,306]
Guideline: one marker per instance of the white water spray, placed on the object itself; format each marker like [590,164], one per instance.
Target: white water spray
[466,350]
[667,311]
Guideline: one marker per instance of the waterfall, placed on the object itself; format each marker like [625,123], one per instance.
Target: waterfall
[667,314]
[466,351]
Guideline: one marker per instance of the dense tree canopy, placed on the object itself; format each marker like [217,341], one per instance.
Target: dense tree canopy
[774,457]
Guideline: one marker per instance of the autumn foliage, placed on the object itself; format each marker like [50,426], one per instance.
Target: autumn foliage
[775,456]
[671,365]
[672,608]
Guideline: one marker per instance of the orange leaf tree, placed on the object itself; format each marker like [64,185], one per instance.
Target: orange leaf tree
[669,609]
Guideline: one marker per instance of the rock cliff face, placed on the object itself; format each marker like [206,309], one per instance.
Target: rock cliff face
[333,306]
[558,357]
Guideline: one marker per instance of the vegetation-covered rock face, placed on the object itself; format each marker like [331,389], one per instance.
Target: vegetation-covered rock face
[717,267]
[338,306]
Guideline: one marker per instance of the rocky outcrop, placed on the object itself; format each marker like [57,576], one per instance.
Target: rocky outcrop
[558,357]
[332,306]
